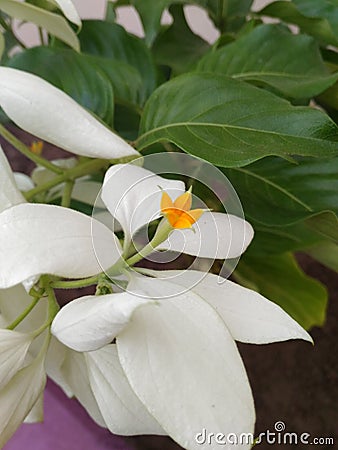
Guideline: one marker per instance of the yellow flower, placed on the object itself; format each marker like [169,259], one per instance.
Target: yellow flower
[178,213]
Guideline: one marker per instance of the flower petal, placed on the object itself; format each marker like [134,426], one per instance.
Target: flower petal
[37,239]
[19,396]
[217,235]
[90,322]
[15,300]
[183,364]
[69,10]
[9,192]
[45,111]
[36,413]
[249,316]
[23,181]
[13,350]
[74,372]
[121,409]
[55,357]
[41,175]
[133,195]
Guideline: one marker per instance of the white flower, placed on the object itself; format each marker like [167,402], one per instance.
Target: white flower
[13,349]
[175,368]
[47,112]
[22,359]
[19,396]
[133,196]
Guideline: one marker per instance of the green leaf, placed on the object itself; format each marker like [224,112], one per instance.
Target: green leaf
[114,43]
[178,47]
[318,18]
[53,23]
[231,123]
[280,279]
[326,223]
[227,15]
[326,253]
[273,240]
[76,75]
[275,192]
[151,13]
[273,56]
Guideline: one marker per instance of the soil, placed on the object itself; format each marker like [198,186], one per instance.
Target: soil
[292,382]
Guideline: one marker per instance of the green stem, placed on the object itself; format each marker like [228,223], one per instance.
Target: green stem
[161,235]
[67,193]
[75,284]
[23,315]
[53,306]
[22,148]
[78,171]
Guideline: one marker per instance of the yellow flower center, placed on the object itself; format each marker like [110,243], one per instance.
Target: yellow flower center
[178,213]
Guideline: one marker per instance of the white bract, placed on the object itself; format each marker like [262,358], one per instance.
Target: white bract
[47,112]
[174,368]
[24,357]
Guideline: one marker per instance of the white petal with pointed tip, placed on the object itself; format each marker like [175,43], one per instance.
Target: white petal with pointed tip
[133,194]
[9,192]
[121,409]
[217,235]
[88,323]
[47,112]
[36,413]
[46,239]
[69,10]
[13,350]
[183,364]
[249,316]
[19,396]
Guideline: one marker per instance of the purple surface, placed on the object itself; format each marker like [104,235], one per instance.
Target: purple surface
[66,426]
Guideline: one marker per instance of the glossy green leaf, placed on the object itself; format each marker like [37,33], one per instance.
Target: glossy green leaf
[326,223]
[231,123]
[75,75]
[291,238]
[326,253]
[111,41]
[178,47]
[319,18]
[53,23]
[275,192]
[280,279]
[273,56]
